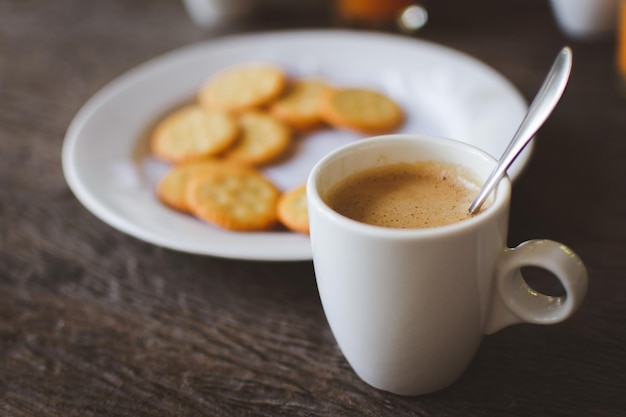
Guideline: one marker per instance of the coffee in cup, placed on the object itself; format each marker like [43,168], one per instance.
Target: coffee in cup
[406,195]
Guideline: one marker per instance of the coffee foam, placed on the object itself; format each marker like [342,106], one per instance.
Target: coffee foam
[405,195]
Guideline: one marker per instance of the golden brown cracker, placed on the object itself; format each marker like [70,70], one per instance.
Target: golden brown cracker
[235,198]
[360,109]
[299,106]
[243,87]
[292,210]
[171,189]
[263,138]
[192,133]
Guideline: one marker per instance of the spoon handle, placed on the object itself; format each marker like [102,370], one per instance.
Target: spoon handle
[540,109]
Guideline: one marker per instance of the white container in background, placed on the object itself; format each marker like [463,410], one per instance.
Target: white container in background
[586,19]
[208,13]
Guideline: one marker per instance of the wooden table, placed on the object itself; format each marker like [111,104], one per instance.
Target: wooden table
[94,322]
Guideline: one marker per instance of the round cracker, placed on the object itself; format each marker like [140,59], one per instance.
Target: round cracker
[242,88]
[235,198]
[192,133]
[299,107]
[293,211]
[171,189]
[263,138]
[360,109]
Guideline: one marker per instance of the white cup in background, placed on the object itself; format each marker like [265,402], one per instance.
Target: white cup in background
[585,19]
[208,13]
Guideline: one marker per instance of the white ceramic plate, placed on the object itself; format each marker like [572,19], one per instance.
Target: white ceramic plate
[107,166]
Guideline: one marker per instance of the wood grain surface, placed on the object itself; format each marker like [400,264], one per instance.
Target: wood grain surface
[97,323]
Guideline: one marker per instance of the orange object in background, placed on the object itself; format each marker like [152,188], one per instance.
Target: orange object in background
[370,12]
[621,44]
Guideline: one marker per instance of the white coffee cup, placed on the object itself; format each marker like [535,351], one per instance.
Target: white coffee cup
[409,308]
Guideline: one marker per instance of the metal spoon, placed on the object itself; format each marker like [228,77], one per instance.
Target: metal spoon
[541,107]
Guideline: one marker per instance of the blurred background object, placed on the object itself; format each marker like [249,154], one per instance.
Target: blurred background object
[208,13]
[621,47]
[586,19]
[413,18]
[406,15]
[373,13]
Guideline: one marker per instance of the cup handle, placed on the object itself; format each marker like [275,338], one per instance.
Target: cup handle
[514,301]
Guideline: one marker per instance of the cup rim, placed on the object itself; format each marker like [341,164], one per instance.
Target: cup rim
[501,194]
